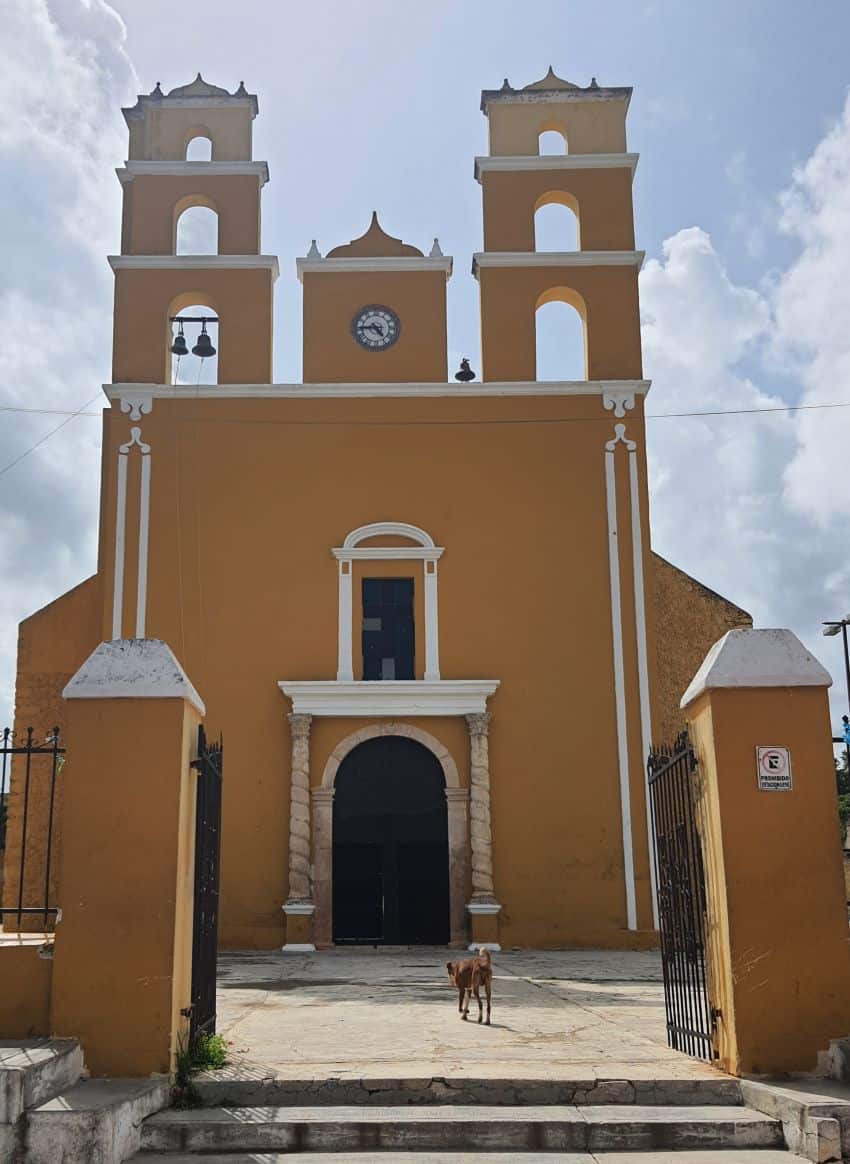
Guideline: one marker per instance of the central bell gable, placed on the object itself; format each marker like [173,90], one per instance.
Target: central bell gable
[374,312]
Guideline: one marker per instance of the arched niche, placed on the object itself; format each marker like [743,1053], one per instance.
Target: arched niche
[556,223]
[191,369]
[560,336]
[195,226]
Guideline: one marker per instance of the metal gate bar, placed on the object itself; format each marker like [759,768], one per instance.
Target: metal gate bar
[209,766]
[681,899]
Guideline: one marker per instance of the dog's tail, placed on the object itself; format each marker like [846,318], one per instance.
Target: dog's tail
[484,953]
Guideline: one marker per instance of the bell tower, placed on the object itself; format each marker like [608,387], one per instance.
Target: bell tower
[593,178]
[152,282]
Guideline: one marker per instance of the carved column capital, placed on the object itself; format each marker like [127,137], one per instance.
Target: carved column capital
[299,725]
[478,723]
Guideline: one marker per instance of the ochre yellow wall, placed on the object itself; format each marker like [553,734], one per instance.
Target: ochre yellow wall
[781,956]
[52,643]
[144,299]
[249,497]
[151,202]
[163,135]
[24,991]
[602,200]
[591,126]
[126,881]
[606,296]
[331,300]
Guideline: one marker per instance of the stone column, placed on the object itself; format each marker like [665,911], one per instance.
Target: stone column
[299,904]
[457,803]
[483,908]
[323,801]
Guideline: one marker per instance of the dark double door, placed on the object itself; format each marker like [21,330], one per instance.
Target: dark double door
[390,846]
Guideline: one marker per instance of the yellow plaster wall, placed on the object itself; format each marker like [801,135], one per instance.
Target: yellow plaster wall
[162,136]
[152,202]
[607,297]
[24,991]
[602,200]
[144,299]
[590,126]
[331,300]
[777,908]
[249,497]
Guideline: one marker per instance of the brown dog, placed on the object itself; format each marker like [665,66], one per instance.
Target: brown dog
[469,976]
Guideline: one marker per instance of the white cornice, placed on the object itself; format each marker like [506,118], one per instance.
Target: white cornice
[144,393]
[516,163]
[193,263]
[557,259]
[131,170]
[391,697]
[553,96]
[377,263]
[388,553]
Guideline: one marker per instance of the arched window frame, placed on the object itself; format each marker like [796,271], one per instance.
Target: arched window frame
[572,299]
[198,131]
[424,550]
[190,202]
[557,198]
[553,127]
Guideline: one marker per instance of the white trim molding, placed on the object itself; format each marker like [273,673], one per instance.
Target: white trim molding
[745,657]
[138,404]
[388,697]
[382,263]
[529,388]
[619,400]
[194,263]
[557,259]
[131,170]
[425,550]
[120,534]
[541,162]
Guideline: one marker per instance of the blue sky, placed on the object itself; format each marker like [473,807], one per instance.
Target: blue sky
[742,202]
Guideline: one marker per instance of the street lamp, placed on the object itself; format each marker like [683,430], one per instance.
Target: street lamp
[830,629]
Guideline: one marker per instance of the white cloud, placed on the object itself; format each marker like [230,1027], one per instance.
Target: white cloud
[61,135]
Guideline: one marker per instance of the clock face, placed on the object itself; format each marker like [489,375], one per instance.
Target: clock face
[375,328]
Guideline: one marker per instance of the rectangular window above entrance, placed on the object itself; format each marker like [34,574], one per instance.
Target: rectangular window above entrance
[387,631]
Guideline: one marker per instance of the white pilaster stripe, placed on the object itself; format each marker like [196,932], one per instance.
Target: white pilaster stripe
[120,522]
[432,645]
[345,660]
[643,668]
[619,674]
[144,518]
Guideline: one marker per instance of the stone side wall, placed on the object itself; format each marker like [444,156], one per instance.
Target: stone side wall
[52,644]
[689,618]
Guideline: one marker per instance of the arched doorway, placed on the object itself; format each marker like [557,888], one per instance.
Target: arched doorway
[390,866]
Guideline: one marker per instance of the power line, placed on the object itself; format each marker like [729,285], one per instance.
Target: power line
[81,411]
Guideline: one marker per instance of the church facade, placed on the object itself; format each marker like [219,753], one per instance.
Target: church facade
[423,613]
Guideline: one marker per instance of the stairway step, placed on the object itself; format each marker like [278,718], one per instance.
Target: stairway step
[735,1156]
[35,1070]
[98,1121]
[553,1128]
[247,1085]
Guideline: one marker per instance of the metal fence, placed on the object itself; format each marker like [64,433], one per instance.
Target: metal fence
[30,770]
[681,899]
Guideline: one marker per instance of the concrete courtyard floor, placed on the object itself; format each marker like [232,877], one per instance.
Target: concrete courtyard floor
[391,1014]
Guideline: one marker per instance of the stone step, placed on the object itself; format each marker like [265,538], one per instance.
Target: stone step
[246,1085]
[33,1071]
[736,1156]
[97,1121]
[552,1128]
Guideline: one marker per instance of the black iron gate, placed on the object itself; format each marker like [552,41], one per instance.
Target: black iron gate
[207,850]
[681,899]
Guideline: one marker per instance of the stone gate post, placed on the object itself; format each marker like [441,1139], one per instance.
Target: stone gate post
[123,954]
[777,933]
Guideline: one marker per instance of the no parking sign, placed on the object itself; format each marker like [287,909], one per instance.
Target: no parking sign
[774,769]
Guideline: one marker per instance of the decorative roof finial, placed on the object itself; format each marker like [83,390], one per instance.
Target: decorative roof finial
[436,251]
[506,85]
[314,252]
[241,91]
[156,91]
[593,84]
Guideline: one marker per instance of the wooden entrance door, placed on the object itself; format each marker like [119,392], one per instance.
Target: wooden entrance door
[390,846]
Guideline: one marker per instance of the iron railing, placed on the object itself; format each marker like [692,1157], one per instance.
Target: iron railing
[29,774]
[209,766]
[681,899]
